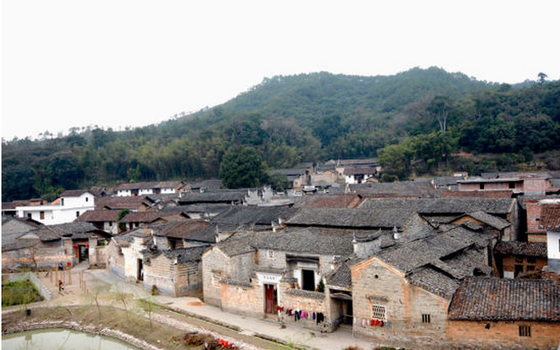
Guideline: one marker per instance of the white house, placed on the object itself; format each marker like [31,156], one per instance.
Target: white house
[70,205]
[553,246]
[147,188]
[358,175]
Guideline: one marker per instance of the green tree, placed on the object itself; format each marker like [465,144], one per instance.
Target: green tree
[243,167]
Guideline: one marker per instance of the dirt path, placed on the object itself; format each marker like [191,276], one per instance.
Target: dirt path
[88,291]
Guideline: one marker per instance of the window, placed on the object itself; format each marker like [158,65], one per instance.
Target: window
[524,331]
[87,199]
[532,260]
[481,186]
[378,312]
[216,278]
[42,215]
[530,268]
[426,318]
[511,185]
[29,215]
[270,254]
[77,213]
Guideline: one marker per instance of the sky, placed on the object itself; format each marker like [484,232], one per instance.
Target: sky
[119,63]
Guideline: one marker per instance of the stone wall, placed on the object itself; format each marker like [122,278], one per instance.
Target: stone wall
[45,255]
[115,260]
[31,277]
[214,268]
[503,335]
[159,271]
[377,286]
[310,302]
[242,298]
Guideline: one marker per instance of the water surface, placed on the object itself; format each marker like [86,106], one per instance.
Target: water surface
[61,339]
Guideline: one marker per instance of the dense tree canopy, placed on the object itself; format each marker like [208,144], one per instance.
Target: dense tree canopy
[415,121]
[242,167]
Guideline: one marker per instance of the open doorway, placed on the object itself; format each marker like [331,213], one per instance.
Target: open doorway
[271,298]
[140,275]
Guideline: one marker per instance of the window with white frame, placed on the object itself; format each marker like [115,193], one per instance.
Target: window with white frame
[379,312]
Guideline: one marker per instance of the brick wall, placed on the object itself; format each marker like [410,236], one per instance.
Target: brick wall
[160,271]
[46,255]
[243,299]
[536,186]
[375,283]
[503,335]
[315,303]
[533,217]
[214,267]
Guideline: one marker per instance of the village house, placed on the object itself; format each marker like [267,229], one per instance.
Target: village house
[45,246]
[70,205]
[534,183]
[520,259]
[403,301]
[505,313]
[135,203]
[359,175]
[163,256]
[138,219]
[271,273]
[105,220]
[146,188]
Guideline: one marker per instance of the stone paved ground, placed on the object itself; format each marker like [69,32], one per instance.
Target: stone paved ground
[195,315]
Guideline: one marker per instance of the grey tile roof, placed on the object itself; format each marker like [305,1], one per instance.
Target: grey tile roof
[193,230]
[18,244]
[537,249]
[493,299]
[74,229]
[434,281]
[289,240]
[490,220]
[251,216]
[218,196]
[306,293]
[449,205]
[191,254]
[437,263]
[341,277]
[73,193]
[405,188]
[352,218]
[99,216]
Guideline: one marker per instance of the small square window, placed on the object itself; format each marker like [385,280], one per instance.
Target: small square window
[270,254]
[379,312]
[426,318]
[77,214]
[525,331]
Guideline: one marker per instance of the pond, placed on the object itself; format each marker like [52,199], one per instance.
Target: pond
[61,339]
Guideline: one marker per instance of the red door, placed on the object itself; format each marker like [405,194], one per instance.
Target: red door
[270,299]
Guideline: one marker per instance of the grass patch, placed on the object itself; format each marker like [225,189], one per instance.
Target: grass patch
[18,293]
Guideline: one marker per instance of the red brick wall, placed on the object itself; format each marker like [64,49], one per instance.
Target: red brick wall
[535,186]
[533,217]
[503,335]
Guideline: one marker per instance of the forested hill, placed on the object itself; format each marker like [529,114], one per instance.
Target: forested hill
[426,115]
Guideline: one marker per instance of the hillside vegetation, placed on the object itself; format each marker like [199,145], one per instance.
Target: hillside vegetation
[415,121]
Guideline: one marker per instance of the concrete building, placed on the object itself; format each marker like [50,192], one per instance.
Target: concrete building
[69,206]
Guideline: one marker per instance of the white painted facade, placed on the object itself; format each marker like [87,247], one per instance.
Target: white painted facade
[124,193]
[67,211]
[168,190]
[553,247]
[351,179]
[145,191]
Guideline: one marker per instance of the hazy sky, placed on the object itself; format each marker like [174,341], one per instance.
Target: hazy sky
[118,63]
